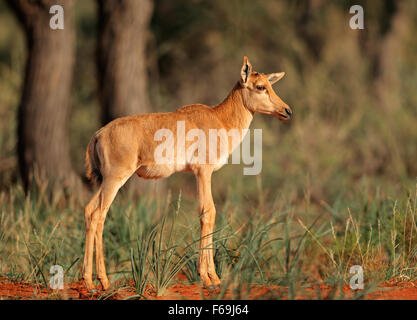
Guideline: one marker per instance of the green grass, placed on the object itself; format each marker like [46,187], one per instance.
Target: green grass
[284,245]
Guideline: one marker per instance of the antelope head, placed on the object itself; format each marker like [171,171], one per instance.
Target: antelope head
[258,95]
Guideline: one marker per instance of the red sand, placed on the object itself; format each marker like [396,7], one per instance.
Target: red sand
[76,290]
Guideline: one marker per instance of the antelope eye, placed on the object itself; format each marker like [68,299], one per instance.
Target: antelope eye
[260,88]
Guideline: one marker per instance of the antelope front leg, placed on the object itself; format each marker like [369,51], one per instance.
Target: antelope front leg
[207,211]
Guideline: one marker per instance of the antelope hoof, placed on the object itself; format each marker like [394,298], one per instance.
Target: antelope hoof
[105,283]
[215,281]
[213,288]
[207,283]
[89,285]
[212,285]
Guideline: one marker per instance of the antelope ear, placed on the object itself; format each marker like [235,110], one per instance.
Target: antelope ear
[246,71]
[274,77]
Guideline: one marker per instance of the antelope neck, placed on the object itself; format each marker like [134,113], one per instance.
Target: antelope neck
[232,111]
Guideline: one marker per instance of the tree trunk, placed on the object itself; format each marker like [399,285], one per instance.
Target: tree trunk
[122,58]
[121,64]
[43,145]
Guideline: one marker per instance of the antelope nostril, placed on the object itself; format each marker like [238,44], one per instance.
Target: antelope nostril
[288,111]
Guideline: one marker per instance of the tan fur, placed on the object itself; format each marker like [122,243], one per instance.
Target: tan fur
[126,146]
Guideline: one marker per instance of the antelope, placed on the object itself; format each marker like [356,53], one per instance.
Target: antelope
[127,145]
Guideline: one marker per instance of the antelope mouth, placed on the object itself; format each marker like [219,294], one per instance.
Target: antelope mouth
[282,116]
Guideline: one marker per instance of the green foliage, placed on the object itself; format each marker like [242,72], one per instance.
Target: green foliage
[168,259]
[140,269]
[262,244]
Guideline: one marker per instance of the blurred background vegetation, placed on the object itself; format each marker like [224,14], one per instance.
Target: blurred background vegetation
[353,93]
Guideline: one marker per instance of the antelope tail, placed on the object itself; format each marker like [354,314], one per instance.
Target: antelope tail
[92,162]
